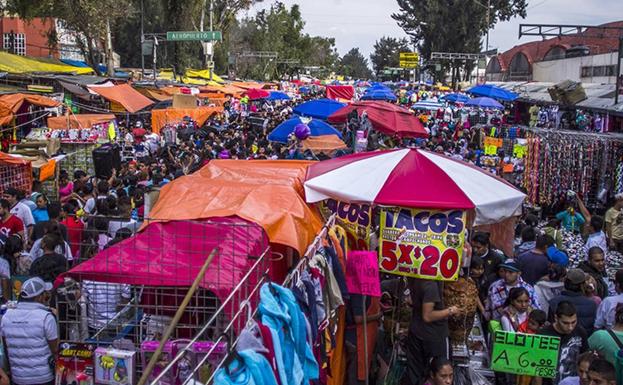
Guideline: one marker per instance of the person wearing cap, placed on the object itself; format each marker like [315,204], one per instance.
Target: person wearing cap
[573,292]
[30,334]
[614,223]
[498,292]
[606,310]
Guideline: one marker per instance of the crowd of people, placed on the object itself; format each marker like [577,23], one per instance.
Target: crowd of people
[536,290]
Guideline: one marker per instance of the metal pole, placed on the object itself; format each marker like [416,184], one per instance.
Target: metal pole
[365,337]
[154,58]
[488,23]
[142,41]
[211,42]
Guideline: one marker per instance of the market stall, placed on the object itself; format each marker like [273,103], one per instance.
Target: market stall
[14,172]
[162,117]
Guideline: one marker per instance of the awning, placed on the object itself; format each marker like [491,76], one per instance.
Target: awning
[78,121]
[16,64]
[159,118]
[76,90]
[124,94]
[323,144]
[10,104]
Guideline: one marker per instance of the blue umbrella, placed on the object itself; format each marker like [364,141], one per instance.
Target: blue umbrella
[456,98]
[319,108]
[379,94]
[427,105]
[484,103]
[494,92]
[278,95]
[317,127]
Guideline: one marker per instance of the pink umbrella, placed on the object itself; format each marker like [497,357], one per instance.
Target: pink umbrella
[256,93]
[413,178]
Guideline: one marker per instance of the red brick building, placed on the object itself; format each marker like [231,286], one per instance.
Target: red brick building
[28,38]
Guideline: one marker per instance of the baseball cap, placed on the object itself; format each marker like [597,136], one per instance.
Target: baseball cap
[33,287]
[576,276]
[510,265]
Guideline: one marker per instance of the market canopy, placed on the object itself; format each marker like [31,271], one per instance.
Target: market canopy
[323,144]
[484,103]
[456,98]
[317,128]
[427,105]
[379,94]
[340,92]
[78,121]
[413,178]
[257,93]
[277,95]
[17,64]
[11,104]
[387,118]
[125,95]
[269,193]
[318,108]
[162,117]
[494,92]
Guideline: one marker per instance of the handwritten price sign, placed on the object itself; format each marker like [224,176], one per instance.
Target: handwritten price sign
[528,354]
[362,273]
[422,243]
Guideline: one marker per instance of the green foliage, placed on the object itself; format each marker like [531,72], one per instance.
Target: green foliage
[387,53]
[353,64]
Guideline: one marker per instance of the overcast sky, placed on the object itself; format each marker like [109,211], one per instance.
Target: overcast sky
[359,23]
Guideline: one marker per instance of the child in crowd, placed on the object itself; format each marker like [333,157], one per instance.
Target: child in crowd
[535,321]
[517,308]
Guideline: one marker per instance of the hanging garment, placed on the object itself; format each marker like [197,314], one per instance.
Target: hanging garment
[331,295]
[254,370]
[279,311]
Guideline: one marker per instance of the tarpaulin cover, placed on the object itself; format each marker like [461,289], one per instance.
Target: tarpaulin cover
[10,105]
[324,143]
[379,94]
[124,94]
[159,118]
[387,118]
[494,92]
[278,95]
[76,90]
[319,108]
[484,102]
[256,93]
[8,160]
[15,172]
[78,121]
[16,64]
[203,74]
[316,126]
[269,193]
[155,94]
[340,92]
[226,89]
[248,85]
[171,254]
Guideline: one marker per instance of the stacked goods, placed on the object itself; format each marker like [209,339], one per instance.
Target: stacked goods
[567,92]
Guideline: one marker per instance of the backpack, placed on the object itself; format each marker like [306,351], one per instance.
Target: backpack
[618,358]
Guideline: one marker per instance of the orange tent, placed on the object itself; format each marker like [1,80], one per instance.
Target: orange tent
[154,94]
[324,143]
[226,89]
[15,172]
[159,118]
[269,193]
[124,94]
[10,105]
[78,121]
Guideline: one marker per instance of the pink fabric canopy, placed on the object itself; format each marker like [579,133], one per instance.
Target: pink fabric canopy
[256,93]
[340,92]
[413,178]
[387,118]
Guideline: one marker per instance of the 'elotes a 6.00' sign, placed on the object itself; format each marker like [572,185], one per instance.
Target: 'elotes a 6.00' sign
[422,243]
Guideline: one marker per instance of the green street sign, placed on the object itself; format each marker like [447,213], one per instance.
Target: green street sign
[194,36]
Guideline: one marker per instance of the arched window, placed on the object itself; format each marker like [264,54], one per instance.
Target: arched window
[555,53]
[520,65]
[494,66]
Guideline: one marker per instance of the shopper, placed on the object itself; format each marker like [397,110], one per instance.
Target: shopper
[573,293]
[606,310]
[499,290]
[20,209]
[481,247]
[30,332]
[428,332]
[608,341]
[596,237]
[614,224]
[40,213]
[584,362]
[10,224]
[602,372]
[440,372]
[595,266]
[517,309]
[534,263]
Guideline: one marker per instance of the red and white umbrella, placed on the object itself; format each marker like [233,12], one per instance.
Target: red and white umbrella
[413,178]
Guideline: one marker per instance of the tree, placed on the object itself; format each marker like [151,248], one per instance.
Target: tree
[453,26]
[88,19]
[354,65]
[387,53]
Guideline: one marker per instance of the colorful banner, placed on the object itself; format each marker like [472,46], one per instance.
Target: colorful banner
[356,219]
[527,354]
[422,243]
[362,273]
[492,145]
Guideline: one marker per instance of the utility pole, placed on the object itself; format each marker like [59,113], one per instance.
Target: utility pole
[488,24]
[142,43]
[110,61]
[211,44]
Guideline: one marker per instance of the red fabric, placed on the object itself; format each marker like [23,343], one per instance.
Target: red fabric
[387,118]
[171,254]
[340,92]
[11,226]
[256,93]
[267,338]
[74,232]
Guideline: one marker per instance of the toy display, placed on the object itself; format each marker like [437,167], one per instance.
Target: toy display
[114,366]
[74,364]
[147,350]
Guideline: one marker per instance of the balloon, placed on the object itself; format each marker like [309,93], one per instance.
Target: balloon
[302,131]
[223,154]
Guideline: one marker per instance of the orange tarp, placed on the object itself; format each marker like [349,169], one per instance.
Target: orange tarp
[159,118]
[6,159]
[248,85]
[10,105]
[124,94]
[269,193]
[226,89]
[154,94]
[78,121]
[324,143]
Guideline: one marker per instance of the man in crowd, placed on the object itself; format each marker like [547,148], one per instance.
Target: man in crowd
[498,292]
[9,223]
[573,340]
[596,237]
[428,332]
[602,372]
[606,310]
[614,224]
[30,335]
[596,268]
[534,263]
[573,293]
[20,210]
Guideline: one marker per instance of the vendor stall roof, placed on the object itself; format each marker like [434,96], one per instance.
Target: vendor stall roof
[269,193]
[16,64]
[10,104]
[78,121]
[125,95]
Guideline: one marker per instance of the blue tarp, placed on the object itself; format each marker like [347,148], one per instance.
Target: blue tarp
[494,92]
[278,95]
[484,103]
[101,68]
[379,94]
[456,98]
[317,127]
[319,108]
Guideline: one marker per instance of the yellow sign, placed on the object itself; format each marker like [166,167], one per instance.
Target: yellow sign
[408,64]
[422,243]
[409,56]
[355,218]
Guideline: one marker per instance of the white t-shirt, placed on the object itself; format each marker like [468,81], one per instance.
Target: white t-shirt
[103,300]
[116,224]
[23,212]
[508,326]
[5,271]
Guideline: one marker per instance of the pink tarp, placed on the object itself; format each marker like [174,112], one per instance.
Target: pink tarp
[171,254]
[340,92]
